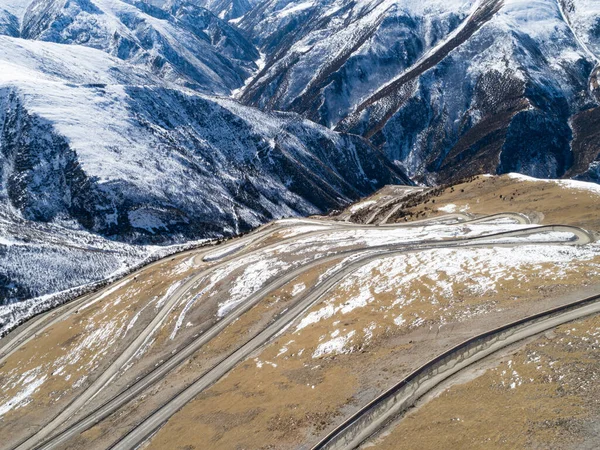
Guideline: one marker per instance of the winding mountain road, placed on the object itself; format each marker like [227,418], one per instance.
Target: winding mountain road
[40,323]
[48,437]
[374,417]
[161,415]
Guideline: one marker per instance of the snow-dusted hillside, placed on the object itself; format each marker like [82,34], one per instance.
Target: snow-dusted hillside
[324,57]
[227,9]
[584,18]
[88,139]
[44,264]
[117,117]
[446,89]
[178,40]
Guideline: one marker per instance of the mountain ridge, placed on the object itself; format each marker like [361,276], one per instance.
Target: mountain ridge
[484,53]
[127,156]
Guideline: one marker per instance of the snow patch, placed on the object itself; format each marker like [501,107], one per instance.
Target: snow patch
[335,346]
[32,383]
[362,205]
[298,288]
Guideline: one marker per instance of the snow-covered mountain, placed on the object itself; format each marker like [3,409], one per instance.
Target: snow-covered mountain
[227,9]
[113,149]
[158,121]
[178,40]
[445,88]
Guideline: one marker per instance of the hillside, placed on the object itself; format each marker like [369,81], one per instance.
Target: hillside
[279,337]
[93,144]
[160,122]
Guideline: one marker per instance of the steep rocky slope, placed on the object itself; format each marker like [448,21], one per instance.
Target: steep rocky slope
[178,40]
[227,9]
[446,89]
[108,147]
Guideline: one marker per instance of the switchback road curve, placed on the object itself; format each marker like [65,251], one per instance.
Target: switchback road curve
[161,415]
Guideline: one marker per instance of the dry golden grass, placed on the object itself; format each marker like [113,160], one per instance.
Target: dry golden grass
[236,334]
[491,195]
[543,396]
[269,401]
[252,321]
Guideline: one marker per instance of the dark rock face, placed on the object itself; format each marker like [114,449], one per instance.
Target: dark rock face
[9,24]
[43,177]
[321,64]
[585,144]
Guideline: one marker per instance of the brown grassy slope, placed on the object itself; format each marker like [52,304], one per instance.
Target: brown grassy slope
[285,396]
[551,201]
[543,396]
